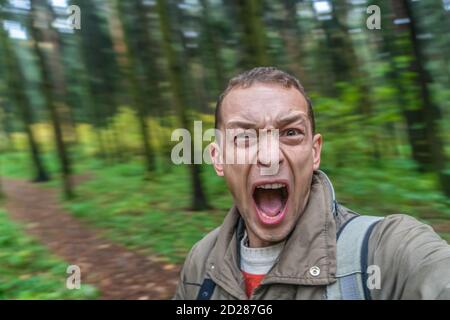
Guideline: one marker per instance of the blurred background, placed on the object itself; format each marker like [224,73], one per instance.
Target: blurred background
[90,95]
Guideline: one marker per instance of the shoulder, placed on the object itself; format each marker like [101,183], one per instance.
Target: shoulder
[403,240]
[195,264]
[201,250]
[193,271]
[400,225]
[400,233]
[412,258]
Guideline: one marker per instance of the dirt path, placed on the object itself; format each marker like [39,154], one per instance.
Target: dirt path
[118,272]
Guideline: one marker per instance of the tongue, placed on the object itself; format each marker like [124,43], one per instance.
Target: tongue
[269,201]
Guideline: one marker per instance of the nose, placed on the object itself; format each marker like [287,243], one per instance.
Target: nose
[269,155]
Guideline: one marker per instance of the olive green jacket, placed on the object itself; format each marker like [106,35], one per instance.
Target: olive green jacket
[414,262]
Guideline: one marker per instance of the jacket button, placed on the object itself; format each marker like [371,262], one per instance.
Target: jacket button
[314,271]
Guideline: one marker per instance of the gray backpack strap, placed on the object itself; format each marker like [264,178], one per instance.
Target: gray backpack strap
[351,256]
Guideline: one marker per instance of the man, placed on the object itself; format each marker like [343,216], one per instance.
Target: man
[279,241]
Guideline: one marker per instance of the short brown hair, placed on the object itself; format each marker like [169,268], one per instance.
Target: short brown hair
[264,75]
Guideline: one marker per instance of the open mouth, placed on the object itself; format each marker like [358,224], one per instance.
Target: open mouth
[270,201]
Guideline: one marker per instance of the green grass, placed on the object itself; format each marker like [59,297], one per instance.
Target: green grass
[16,165]
[150,214]
[29,271]
[392,189]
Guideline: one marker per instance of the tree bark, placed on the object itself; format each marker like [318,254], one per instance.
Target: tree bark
[51,101]
[130,67]
[254,36]
[175,71]
[16,80]
[423,128]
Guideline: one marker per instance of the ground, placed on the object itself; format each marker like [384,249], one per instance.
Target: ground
[118,272]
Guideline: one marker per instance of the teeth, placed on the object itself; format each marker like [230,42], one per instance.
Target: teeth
[271,186]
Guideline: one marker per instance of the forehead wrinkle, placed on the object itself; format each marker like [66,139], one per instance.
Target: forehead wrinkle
[240,123]
[244,119]
[296,116]
[278,120]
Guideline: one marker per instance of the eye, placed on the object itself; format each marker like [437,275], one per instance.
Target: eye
[291,132]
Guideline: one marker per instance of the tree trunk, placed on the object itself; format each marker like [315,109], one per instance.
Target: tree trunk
[130,68]
[1,182]
[290,33]
[7,127]
[254,36]
[99,58]
[212,49]
[17,94]
[175,71]
[425,139]
[54,67]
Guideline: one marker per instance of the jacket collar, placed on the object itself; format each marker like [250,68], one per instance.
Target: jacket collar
[312,243]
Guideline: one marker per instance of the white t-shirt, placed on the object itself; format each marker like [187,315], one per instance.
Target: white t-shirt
[259,260]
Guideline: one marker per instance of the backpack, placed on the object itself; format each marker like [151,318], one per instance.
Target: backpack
[351,262]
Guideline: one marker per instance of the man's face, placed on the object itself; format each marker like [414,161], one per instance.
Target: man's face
[269,204]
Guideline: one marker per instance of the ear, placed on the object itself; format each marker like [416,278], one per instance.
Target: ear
[317,148]
[216,157]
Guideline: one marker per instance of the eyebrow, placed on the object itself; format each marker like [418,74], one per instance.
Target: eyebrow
[240,123]
[280,122]
[290,118]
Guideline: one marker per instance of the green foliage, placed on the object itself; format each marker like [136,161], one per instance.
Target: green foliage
[149,215]
[29,271]
[153,215]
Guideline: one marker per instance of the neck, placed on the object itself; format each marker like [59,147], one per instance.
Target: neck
[256,242]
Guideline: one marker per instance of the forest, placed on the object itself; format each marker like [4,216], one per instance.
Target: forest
[92,90]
